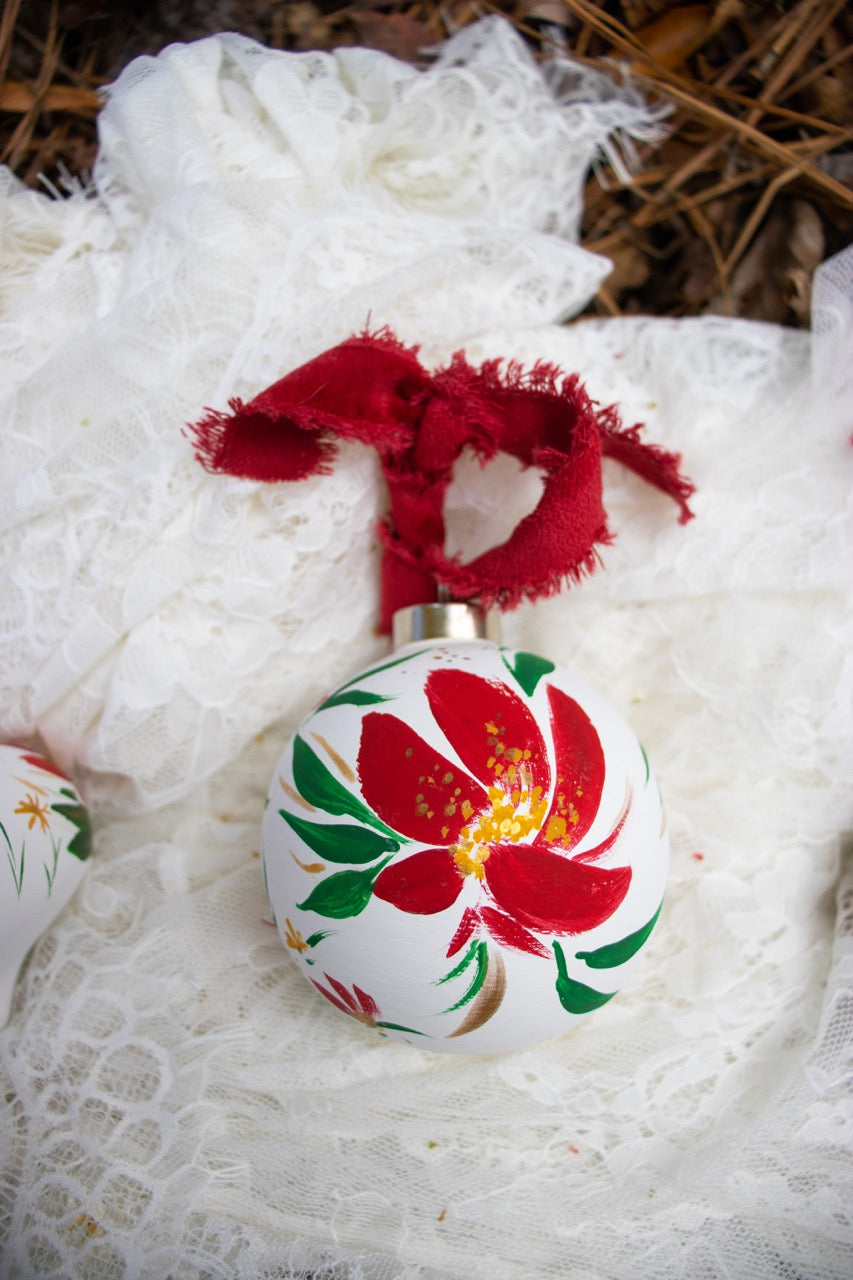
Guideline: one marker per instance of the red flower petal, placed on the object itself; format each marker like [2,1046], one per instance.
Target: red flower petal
[592,855]
[410,786]
[41,762]
[509,933]
[489,727]
[422,884]
[348,1000]
[549,892]
[465,929]
[580,773]
[339,1004]
[368,1004]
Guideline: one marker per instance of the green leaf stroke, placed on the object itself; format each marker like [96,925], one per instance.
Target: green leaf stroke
[340,842]
[343,894]
[528,669]
[481,954]
[80,844]
[16,869]
[353,698]
[616,953]
[383,666]
[461,966]
[575,997]
[319,786]
[317,937]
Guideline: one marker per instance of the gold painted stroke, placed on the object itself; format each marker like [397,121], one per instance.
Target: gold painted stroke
[489,999]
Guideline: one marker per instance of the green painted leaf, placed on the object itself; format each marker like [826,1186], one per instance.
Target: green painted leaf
[646,763]
[528,669]
[616,953]
[461,966]
[482,956]
[354,698]
[50,871]
[383,666]
[319,786]
[575,997]
[395,1026]
[339,842]
[17,870]
[343,894]
[318,937]
[81,843]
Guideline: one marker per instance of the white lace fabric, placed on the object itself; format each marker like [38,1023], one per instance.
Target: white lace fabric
[178,1101]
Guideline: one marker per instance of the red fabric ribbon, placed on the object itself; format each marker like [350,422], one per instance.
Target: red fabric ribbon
[373,389]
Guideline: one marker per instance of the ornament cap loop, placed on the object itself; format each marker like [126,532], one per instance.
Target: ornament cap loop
[445,620]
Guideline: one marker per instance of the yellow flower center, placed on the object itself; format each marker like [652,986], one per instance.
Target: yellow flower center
[514,813]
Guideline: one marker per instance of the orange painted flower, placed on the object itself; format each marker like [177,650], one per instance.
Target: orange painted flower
[36,809]
[293,937]
[506,821]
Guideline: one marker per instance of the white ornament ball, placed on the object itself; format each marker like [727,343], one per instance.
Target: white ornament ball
[45,840]
[464,847]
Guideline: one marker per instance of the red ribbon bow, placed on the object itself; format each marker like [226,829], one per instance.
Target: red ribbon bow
[373,389]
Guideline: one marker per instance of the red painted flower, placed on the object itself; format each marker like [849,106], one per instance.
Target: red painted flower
[502,821]
[359,1005]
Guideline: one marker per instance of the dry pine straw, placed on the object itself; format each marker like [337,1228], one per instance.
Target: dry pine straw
[749,191]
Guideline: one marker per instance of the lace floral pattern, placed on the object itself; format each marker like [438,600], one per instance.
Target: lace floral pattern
[178,1101]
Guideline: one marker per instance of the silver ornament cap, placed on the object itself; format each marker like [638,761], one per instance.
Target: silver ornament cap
[444,620]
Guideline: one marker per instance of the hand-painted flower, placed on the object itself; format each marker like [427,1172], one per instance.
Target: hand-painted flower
[502,819]
[35,809]
[359,1005]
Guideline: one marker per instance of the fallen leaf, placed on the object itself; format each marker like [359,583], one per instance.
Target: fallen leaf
[673,37]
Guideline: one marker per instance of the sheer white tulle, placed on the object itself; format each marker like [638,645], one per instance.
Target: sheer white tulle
[178,1103]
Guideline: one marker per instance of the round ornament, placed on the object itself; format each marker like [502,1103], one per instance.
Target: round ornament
[45,836]
[464,847]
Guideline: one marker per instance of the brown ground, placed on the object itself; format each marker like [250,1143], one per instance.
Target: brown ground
[751,190]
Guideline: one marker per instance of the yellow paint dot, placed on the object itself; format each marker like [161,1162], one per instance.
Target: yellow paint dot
[555,829]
